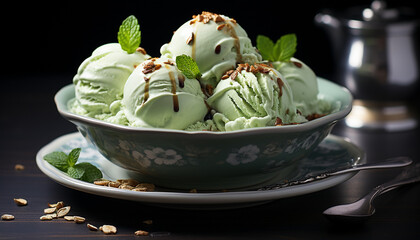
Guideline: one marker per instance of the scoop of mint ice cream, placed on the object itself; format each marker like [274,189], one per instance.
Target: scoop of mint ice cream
[216,42]
[253,96]
[100,79]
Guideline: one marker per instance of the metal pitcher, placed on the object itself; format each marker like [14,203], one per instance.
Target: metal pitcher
[376,49]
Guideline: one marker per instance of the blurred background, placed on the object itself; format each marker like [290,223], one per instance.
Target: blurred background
[55,37]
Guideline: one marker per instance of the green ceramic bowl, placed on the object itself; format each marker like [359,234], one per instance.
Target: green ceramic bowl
[209,160]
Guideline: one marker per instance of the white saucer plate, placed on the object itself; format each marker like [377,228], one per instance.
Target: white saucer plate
[333,153]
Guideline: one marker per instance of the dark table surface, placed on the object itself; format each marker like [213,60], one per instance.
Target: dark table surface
[29,121]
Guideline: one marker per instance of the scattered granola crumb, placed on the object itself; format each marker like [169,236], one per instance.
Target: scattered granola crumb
[20,201]
[63,211]
[108,229]
[78,219]
[57,205]
[141,233]
[46,218]
[127,184]
[101,182]
[19,167]
[50,210]
[92,227]
[7,217]
[69,218]
[148,222]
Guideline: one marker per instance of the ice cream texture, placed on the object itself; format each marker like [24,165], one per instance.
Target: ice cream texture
[100,80]
[157,94]
[304,85]
[216,42]
[236,89]
[253,96]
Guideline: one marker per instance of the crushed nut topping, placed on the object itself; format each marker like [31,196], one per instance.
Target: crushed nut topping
[206,17]
[297,64]
[190,39]
[279,122]
[169,62]
[313,116]
[150,67]
[220,27]
[256,68]
[141,50]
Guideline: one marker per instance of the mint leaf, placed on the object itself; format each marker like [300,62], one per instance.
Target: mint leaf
[58,160]
[283,50]
[73,157]
[188,66]
[67,163]
[285,47]
[266,47]
[129,35]
[91,173]
[76,171]
[85,172]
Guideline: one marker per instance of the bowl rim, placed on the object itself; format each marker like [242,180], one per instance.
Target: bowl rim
[330,118]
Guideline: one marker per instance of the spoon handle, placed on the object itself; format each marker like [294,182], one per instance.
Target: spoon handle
[407,176]
[388,163]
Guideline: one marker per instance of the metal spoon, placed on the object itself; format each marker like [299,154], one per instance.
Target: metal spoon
[388,163]
[362,209]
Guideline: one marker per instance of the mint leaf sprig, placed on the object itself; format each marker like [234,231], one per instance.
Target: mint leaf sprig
[283,50]
[68,164]
[188,66]
[129,35]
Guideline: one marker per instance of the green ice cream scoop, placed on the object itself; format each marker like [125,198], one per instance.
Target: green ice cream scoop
[100,78]
[253,96]
[216,42]
[158,95]
[304,85]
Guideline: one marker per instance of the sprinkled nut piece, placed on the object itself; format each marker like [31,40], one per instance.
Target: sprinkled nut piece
[50,210]
[91,227]
[63,211]
[108,229]
[130,182]
[148,222]
[78,219]
[101,182]
[7,217]
[141,233]
[52,215]
[57,205]
[19,167]
[147,187]
[20,201]
[126,186]
[69,218]
[46,218]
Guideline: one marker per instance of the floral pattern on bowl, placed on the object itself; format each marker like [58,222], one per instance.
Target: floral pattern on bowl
[209,160]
